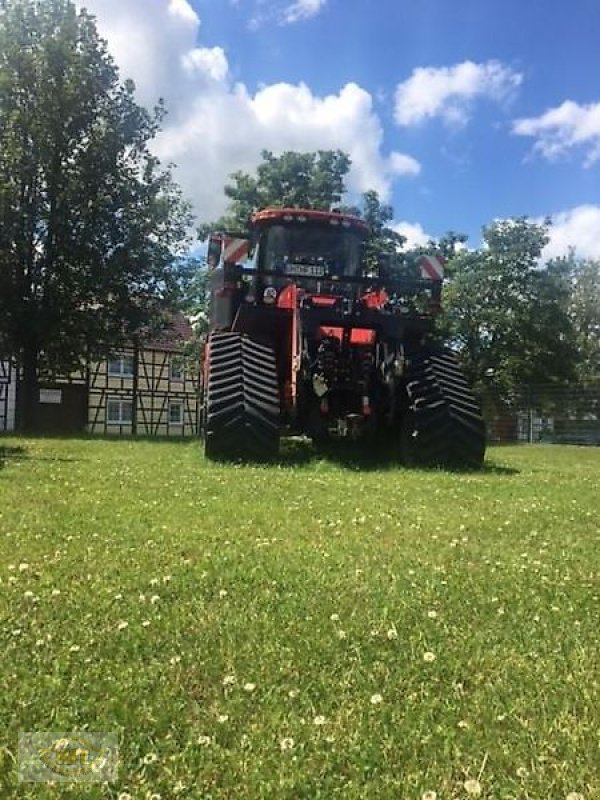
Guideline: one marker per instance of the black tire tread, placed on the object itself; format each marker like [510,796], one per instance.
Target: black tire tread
[446,421]
[242,399]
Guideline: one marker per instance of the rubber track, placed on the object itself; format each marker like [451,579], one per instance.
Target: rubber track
[448,428]
[242,399]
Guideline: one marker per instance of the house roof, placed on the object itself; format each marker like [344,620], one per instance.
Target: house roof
[177,332]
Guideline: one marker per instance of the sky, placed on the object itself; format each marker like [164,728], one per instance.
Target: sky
[458,112]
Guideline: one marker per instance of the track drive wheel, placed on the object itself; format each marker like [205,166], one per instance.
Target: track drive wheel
[443,424]
[242,399]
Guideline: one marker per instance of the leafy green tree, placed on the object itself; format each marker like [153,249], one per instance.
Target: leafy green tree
[88,220]
[384,243]
[506,314]
[584,310]
[291,180]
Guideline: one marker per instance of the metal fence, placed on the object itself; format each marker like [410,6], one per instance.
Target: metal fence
[546,413]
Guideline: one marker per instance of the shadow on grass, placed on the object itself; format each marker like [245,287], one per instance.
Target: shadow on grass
[296,452]
[11,453]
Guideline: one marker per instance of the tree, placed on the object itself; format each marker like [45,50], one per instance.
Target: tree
[584,310]
[384,243]
[508,315]
[292,180]
[88,220]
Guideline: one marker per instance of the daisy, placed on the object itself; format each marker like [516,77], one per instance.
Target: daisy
[472,787]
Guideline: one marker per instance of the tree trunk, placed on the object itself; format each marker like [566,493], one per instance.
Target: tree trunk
[29,392]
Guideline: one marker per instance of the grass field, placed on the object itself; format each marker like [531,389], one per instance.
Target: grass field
[312,629]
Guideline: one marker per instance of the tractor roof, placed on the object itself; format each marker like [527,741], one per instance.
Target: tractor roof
[270,216]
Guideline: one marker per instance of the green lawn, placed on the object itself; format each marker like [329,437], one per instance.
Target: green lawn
[312,629]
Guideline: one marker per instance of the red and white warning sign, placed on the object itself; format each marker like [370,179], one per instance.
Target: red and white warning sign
[235,250]
[432,268]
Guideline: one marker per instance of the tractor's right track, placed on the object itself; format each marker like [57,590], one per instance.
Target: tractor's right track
[445,422]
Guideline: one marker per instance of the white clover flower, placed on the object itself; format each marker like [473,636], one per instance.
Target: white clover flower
[432,614]
[28,595]
[222,718]
[335,617]
[145,623]
[472,787]
[392,634]
[522,772]
[462,723]
[122,625]
[342,634]
[429,795]
[287,743]
[204,741]
[223,593]
[293,693]
[229,680]
[154,581]
[150,758]
[154,599]
[429,656]
[23,566]
[376,699]
[174,660]
[55,592]
[575,796]
[249,687]
[319,720]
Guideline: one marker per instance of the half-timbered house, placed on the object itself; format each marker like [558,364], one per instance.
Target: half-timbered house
[143,390]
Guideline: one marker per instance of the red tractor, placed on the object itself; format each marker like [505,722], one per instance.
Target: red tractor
[307,339]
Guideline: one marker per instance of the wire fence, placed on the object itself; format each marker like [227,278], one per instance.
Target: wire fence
[546,413]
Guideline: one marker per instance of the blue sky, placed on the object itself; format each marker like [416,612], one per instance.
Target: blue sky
[457,112]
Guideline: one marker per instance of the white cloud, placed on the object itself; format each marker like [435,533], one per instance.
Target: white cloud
[284,12]
[401,164]
[302,9]
[577,227]
[449,92]
[413,232]
[564,128]
[206,61]
[215,127]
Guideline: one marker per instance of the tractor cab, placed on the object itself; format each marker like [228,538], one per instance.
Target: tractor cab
[313,245]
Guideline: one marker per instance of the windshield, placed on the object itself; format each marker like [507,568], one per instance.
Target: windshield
[313,251]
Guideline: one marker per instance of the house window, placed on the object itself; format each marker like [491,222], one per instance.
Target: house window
[119,412]
[176,368]
[121,367]
[176,412]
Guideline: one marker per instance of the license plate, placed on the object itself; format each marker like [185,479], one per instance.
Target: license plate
[306,270]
